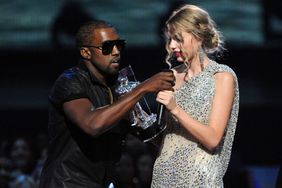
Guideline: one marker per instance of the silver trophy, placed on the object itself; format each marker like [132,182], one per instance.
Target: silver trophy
[139,118]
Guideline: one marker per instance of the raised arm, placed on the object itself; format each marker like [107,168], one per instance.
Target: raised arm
[97,121]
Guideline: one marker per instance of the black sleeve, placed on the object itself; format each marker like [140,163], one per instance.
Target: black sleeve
[66,88]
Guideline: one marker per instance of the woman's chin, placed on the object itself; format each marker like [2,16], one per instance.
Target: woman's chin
[180,59]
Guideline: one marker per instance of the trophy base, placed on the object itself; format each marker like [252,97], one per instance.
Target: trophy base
[151,132]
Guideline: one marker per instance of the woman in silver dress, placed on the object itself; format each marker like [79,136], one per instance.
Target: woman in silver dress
[202,111]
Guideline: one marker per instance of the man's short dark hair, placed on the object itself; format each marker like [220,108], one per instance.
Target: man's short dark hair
[85,36]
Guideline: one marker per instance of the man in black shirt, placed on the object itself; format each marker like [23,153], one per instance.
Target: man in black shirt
[279,177]
[85,121]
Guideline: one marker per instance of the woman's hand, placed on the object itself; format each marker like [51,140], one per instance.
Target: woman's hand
[166,98]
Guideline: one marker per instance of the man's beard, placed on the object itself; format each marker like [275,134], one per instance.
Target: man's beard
[110,76]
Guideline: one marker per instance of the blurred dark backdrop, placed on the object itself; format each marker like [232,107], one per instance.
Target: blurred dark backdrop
[37,43]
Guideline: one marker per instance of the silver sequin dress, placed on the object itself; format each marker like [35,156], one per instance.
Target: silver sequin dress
[182,161]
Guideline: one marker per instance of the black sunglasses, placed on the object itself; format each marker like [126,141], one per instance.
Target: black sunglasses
[107,46]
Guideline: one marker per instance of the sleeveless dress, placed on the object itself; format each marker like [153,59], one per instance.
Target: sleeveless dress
[183,161]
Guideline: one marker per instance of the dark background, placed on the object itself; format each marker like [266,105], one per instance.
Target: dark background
[32,55]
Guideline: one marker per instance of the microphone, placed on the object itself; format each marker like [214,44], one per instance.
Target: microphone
[160,110]
[173,61]
[160,114]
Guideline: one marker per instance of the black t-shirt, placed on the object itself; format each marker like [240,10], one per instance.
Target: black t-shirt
[76,159]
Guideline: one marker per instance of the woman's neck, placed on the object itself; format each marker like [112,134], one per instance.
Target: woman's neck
[195,67]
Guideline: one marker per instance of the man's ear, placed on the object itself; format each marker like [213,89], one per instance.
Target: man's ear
[85,53]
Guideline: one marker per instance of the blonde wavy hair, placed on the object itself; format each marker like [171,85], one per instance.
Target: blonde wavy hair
[194,20]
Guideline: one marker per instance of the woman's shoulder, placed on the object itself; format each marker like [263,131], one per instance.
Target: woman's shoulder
[217,68]
[229,73]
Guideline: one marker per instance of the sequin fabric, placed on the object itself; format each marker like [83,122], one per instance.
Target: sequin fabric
[182,161]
